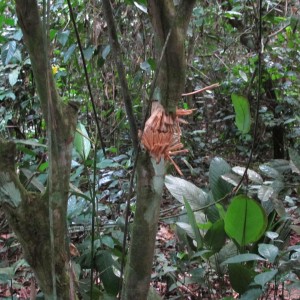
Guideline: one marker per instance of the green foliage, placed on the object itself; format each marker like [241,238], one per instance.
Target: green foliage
[240,277]
[241,215]
[82,142]
[242,113]
[219,187]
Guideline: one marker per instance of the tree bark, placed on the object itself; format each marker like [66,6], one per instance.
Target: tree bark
[165,17]
[39,220]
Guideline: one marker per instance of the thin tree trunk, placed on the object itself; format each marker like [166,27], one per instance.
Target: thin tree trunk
[165,17]
[39,220]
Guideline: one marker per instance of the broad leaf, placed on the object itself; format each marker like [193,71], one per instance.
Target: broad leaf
[82,142]
[240,277]
[13,76]
[245,220]
[268,251]
[242,113]
[8,52]
[180,188]
[265,193]
[63,37]
[215,236]
[252,175]
[105,264]
[69,52]
[265,277]
[219,187]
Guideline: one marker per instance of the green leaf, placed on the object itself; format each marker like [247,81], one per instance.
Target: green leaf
[63,37]
[219,186]
[245,220]
[215,237]
[13,76]
[242,113]
[252,175]
[268,251]
[240,258]
[88,52]
[243,75]
[192,220]
[265,277]
[240,277]
[69,52]
[82,142]
[105,264]
[8,51]
[180,188]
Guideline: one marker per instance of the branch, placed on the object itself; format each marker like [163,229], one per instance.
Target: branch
[117,56]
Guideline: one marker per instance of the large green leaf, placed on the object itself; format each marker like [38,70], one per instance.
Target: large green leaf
[82,142]
[245,220]
[240,277]
[104,264]
[242,112]
[182,189]
[218,185]
[215,236]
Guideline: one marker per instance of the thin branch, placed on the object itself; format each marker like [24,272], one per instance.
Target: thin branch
[210,87]
[117,56]
[86,77]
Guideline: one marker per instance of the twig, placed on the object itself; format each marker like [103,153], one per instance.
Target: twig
[210,87]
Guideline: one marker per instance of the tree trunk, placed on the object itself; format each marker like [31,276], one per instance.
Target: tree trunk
[165,17]
[39,220]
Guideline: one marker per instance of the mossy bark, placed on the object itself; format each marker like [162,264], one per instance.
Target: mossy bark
[39,220]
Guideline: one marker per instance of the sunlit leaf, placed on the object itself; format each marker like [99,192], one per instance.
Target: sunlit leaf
[141,7]
[242,113]
[245,220]
[8,51]
[252,175]
[243,75]
[82,142]
[265,193]
[13,76]
[183,189]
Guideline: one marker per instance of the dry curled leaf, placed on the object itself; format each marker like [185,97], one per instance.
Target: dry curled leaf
[161,136]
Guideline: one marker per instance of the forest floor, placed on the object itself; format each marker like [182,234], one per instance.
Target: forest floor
[17,280]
